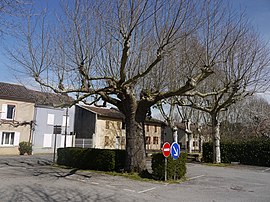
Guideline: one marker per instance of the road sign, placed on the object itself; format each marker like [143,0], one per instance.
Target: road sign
[175,150]
[166,149]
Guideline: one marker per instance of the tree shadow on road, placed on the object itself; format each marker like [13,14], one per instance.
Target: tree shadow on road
[37,192]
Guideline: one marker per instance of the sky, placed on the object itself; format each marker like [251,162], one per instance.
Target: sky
[258,12]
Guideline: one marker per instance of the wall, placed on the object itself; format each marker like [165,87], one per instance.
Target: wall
[153,130]
[112,128]
[46,118]
[23,112]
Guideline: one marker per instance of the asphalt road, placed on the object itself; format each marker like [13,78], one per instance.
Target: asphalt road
[31,178]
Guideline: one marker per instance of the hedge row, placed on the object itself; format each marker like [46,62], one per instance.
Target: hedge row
[250,152]
[93,159]
[175,168]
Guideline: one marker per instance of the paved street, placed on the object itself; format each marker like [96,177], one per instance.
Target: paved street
[31,178]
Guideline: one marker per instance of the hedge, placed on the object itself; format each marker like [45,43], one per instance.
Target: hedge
[250,152]
[93,159]
[175,168]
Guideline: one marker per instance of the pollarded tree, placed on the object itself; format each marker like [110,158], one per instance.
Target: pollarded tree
[123,52]
[240,71]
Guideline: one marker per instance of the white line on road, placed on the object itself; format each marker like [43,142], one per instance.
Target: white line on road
[94,183]
[129,190]
[147,190]
[192,178]
[266,170]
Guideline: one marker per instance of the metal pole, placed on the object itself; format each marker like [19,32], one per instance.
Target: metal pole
[166,162]
[54,150]
[65,141]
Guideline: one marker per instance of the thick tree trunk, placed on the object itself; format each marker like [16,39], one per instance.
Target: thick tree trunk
[216,139]
[136,158]
[135,142]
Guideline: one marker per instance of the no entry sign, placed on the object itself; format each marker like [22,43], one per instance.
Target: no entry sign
[166,149]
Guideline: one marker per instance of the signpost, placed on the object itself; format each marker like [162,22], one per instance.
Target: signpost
[166,150]
[56,130]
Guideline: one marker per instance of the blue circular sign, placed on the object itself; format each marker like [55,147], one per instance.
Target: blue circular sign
[175,150]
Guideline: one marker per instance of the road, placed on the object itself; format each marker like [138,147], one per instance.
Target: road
[32,178]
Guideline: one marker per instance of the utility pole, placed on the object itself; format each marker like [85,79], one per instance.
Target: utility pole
[66,122]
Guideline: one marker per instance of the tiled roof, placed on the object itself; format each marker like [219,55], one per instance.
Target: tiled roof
[50,99]
[111,113]
[20,93]
[115,113]
[15,92]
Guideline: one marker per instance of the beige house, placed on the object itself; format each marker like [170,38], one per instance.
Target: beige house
[106,129]
[17,114]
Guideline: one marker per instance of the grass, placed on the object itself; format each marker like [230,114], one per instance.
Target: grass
[217,164]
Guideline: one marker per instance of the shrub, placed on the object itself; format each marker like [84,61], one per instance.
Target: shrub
[249,152]
[175,168]
[25,148]
[93,159]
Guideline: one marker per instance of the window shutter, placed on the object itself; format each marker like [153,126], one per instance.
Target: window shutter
[47,141]
[16,139]
[0,137]
[50,119]
[4,111]
[64,121]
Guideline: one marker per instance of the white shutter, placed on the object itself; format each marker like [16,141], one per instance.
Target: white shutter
[47,141]
[16,138]
[0,137]
[64,121]
[50,119]
[4,111]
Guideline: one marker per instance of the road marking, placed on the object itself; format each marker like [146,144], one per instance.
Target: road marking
[129,190]
[94,183]
[192,178]
[147,190]
[266,170]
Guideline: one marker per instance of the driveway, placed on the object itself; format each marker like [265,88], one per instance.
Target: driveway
[31,178]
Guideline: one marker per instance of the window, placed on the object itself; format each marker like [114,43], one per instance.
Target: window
[147,128]
[106,143]
[147,140]
[119,125]
[123,125]
[50,119]
[155,140]
[123,141]
[155,129]
[8,111]
[107,124]
[8,138]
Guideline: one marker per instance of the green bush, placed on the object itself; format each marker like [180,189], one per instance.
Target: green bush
[25,148]
[175,168]
[93,159]
[249,152]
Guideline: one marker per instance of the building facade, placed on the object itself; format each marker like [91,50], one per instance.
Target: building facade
[30,116]
[17,114]
[106,129]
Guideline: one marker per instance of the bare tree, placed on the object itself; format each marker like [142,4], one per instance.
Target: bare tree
[125,53]
[241,68]
[10,10]
[246,119]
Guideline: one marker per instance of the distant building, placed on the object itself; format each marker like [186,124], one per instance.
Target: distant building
[48,114]
[184,131]
[28,115]
[105,129]
[17,115]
